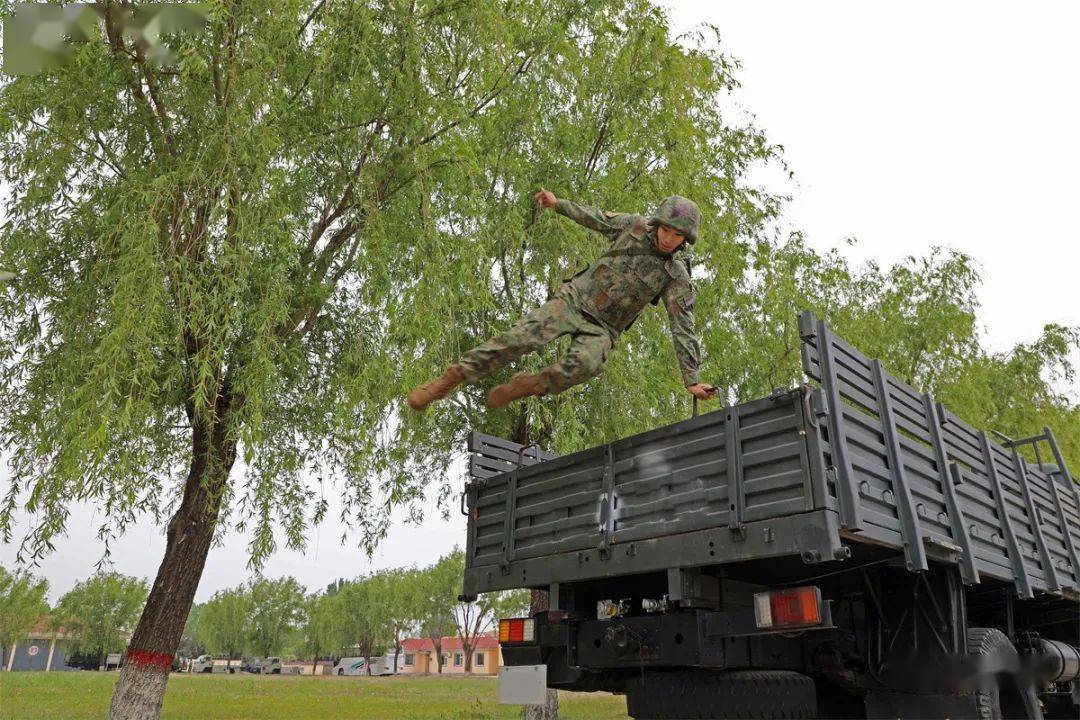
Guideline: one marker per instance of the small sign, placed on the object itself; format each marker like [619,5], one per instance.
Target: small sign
[32,650]
[523,685]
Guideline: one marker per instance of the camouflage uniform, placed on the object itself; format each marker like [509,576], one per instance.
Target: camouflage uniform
[602,301]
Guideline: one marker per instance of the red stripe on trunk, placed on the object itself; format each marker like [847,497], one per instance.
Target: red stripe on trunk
[145,657]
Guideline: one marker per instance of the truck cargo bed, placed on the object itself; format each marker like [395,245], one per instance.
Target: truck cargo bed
[860,459]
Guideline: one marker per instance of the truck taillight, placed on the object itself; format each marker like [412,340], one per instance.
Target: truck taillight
[796,607]
[517,630]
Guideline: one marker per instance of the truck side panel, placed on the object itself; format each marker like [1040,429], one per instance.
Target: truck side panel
[1004,510]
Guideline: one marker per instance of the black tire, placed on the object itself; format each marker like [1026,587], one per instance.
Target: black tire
[341,671]
[762,694]
[998,695]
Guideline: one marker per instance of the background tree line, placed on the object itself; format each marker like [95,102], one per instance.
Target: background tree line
[366,616]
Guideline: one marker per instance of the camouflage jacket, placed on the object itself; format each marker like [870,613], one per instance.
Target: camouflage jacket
[618,285]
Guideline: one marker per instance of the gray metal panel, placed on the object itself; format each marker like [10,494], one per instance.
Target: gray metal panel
[669,480]
[992,531]
[911,533]
[988,516]
[1023,581]
[491,461]
[815,334]
[813,536]
[684,478]
[1034,512]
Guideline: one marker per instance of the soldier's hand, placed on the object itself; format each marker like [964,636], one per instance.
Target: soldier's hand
[546,199]
[702,391]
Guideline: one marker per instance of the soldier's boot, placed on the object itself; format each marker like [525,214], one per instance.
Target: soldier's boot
[420,397]
[521,385]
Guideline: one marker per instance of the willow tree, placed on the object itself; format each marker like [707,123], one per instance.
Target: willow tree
[208,256]
[22,603]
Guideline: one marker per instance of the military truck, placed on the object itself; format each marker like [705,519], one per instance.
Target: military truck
[847,548]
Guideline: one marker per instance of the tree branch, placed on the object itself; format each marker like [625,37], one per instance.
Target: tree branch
[496,90]
[75,146]
[116,41]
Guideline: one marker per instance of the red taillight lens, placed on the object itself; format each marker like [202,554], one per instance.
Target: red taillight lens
[516,630]
[788,608]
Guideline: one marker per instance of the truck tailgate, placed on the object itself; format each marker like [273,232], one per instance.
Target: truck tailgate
[675,479]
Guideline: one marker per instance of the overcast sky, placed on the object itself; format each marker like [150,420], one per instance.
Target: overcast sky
[907,125]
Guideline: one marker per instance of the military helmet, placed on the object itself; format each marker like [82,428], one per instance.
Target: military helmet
[681,214]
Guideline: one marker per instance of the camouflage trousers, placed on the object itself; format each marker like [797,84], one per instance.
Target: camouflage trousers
[589,346]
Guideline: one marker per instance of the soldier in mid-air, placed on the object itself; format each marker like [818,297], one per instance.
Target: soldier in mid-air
[595,306]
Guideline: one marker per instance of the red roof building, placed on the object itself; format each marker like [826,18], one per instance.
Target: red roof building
[420,655]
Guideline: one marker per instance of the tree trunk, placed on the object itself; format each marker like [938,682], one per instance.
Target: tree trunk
[466,648]
[141,686]
[549,710]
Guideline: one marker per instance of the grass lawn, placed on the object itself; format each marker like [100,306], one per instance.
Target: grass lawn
[84,695]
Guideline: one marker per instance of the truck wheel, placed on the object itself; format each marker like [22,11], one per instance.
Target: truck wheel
[999,695]
[763,694]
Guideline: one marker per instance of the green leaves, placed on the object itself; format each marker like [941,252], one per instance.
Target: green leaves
[222,625]
[22,602]
[99,614]
[264,617]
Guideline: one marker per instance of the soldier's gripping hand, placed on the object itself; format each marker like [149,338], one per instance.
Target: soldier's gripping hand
[702,391]
[546,199]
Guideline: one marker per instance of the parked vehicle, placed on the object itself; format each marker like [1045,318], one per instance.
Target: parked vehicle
[381,665]
[850,549]
[207,664]
[350,666]
[262,666]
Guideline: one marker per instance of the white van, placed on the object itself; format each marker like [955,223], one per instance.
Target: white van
[351,666]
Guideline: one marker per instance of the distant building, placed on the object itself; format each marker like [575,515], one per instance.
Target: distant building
[42,649]
[419,656]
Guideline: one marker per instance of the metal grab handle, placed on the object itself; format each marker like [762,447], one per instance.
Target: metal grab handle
[464,495]
[521,452]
